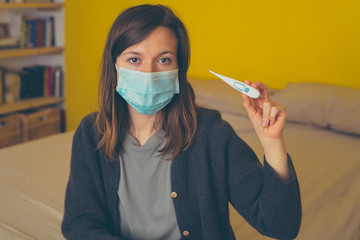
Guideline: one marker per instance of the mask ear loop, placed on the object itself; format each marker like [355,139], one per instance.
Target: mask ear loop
[118,80]
[116,68]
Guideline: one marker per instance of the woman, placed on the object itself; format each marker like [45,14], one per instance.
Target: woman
[153,165]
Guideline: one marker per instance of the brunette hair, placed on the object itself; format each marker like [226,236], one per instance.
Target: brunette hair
[179,116]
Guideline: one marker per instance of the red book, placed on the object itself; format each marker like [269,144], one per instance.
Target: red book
[40,33]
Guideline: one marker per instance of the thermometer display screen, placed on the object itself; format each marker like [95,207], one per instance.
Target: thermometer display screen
[239,86]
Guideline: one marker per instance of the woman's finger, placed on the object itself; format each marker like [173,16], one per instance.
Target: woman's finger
[276,110]
[273,114]
[247,101]
[253,102]
[266,114]
[247,82]
[264,92]
[248,104]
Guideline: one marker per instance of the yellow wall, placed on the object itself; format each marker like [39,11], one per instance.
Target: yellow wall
[271,41]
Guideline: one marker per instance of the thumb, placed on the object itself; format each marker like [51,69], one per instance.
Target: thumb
[248,105]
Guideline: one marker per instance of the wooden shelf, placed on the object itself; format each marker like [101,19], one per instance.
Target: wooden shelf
[16,58]
[21,52]
[45,6]
[29,104]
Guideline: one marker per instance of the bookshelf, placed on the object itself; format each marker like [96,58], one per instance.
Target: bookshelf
[17,58]
[30,104]
[22,52]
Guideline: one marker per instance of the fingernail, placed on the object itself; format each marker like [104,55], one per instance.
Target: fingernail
[265,123]
[271,122]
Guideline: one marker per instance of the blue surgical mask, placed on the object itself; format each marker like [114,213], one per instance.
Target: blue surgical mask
[148,93]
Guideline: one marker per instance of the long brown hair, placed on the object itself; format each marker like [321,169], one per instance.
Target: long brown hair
[179,116]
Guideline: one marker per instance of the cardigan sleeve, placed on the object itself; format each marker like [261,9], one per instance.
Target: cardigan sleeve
[84,215]
[270,204]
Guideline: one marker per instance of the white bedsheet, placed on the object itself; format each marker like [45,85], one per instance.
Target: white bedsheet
[33,178]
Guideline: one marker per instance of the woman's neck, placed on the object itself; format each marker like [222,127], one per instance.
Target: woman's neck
[142,126]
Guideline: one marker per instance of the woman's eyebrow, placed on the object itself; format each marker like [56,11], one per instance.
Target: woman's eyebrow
[166,52]
[133,52]
[139,54]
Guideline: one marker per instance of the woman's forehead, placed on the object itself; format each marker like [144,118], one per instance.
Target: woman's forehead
[160,40]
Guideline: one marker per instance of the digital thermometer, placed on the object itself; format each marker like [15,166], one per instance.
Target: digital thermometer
[241,87]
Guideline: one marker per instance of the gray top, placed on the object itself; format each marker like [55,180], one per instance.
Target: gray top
[146,206]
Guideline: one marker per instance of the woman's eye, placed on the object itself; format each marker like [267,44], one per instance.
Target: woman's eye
[164,60]
[133,60]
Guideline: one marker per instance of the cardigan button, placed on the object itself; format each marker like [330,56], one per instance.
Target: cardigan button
[174,194]
[186,233]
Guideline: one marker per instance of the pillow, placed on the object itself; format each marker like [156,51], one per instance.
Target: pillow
[216,94]
[345,114]
[323,105]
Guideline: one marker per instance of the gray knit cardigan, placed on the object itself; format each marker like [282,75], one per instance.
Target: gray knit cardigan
[217,169]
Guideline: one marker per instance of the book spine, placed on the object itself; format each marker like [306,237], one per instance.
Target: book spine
[52,31]
[45,32]
[49,81]
[8,88]
[1,87]
[41,32]
[24,89]
[16,87]
[27,33]
[40,81]
[57,80]
[45,82]
[22,39]
[39,1]
[32,34]
[35,82]
[11,86]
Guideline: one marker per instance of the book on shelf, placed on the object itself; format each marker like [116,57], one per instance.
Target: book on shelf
[26,1]
[33,84]
[1,87]
[38,1]
[30,82]
[42,80]
[30,32]
[58,82]
[11,1]
[38,32]
[10,82]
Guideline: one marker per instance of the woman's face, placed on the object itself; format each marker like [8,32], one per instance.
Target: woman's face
[156,53]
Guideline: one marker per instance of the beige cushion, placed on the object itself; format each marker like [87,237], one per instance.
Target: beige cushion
[216,94]
[323,105]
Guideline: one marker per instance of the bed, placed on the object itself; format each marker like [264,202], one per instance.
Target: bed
[322,136]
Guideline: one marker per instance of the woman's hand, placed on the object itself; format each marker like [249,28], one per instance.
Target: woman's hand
[267,117]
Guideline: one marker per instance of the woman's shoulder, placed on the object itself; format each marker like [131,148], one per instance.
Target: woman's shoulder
[89,119]
[211,121]
[88,124]
[208,119]
[208,115]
